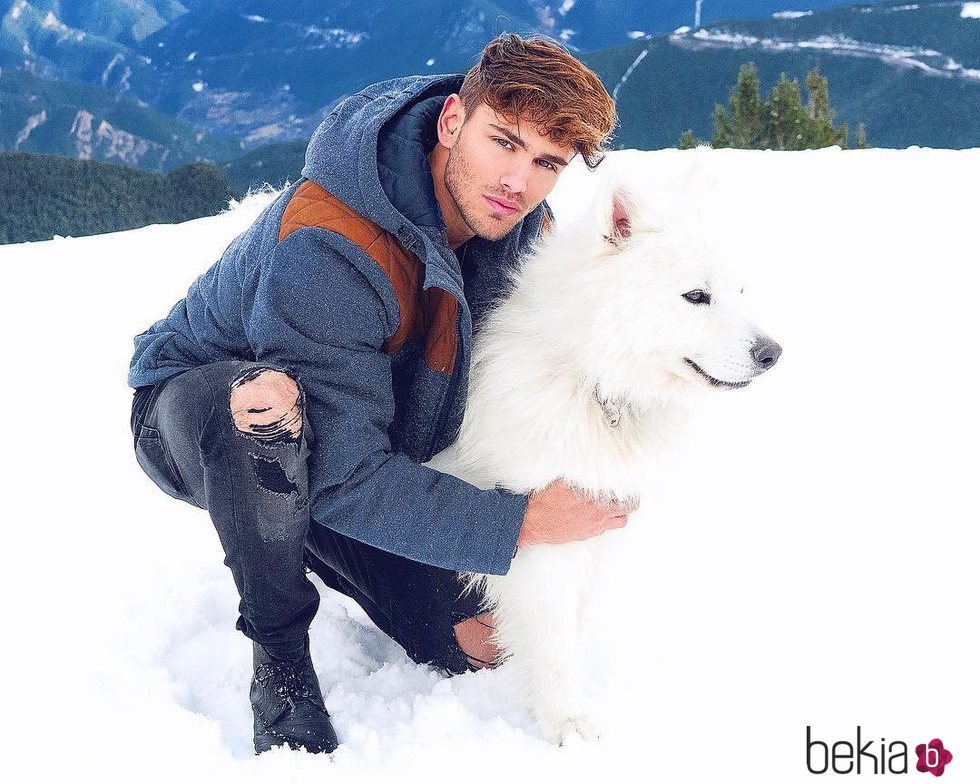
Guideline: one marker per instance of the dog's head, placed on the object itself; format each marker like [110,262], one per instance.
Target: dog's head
[665,312]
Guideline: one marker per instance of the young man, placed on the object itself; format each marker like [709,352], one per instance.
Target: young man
[296,390]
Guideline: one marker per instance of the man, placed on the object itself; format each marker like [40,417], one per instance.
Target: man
[296,390]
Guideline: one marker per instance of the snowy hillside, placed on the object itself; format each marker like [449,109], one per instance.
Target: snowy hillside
[809,561]
[909,71]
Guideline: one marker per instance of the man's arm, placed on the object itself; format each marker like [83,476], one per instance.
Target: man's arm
[318,315]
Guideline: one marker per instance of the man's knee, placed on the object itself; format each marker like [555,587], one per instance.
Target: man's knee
[267,405]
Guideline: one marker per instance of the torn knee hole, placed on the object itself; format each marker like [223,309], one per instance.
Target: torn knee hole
[267,405]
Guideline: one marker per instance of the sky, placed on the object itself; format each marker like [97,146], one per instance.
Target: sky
[808,558]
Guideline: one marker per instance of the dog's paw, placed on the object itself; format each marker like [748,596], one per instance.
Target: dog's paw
[571,729]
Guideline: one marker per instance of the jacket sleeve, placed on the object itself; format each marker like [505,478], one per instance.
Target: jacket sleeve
[318,314]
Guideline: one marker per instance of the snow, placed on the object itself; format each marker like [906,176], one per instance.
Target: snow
[970,11]
[566,6]
[197,86]
[32,122]
[928,61]
[335,36]
[629,71]
[265,133]
[634,34]
[791,14]
[116,59]
[810,559]
[430,62]
[190,57]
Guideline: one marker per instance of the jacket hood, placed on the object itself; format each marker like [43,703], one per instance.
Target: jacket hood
[371,152]
[398,117]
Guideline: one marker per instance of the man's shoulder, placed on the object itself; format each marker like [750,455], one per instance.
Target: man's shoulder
[396,273]
[313,206]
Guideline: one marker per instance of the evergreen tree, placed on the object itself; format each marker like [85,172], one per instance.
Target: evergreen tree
[198,189]
[861,137]
[820,130]
[787,117]
[744,126]
[687,140]
[781,123]
[748,110]
[724,135]
[45,195]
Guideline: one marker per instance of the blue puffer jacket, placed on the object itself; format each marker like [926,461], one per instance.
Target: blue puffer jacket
[312,301]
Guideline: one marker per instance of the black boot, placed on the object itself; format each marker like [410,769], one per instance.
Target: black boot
[288,705]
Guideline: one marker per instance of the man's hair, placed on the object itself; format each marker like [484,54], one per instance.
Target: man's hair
[536,80]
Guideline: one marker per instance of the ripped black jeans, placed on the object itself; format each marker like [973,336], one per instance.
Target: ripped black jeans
[256,492]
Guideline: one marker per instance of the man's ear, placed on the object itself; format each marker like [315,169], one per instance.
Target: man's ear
[451,119]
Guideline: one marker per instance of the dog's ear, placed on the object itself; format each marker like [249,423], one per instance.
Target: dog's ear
[621,216]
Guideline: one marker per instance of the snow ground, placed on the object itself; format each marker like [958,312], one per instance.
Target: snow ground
[811,559]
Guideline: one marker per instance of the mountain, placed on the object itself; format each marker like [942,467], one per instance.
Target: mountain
[911,73]
[268,71]
[94,123]
[203,79]
[125,21]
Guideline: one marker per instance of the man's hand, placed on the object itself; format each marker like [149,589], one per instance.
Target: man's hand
[558,514]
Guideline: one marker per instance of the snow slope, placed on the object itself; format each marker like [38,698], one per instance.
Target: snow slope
[810,560]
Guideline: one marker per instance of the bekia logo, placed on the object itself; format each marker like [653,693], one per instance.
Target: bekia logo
[844,757]
[933,758]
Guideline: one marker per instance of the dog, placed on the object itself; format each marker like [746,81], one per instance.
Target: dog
[581,372]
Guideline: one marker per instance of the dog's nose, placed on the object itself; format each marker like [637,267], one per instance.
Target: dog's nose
[766,352]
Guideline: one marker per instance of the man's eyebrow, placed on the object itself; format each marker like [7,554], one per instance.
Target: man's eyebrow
[523,145]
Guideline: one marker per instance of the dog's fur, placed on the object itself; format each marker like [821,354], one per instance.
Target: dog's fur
[579,374]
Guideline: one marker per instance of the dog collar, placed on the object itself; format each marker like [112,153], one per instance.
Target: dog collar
[611,410]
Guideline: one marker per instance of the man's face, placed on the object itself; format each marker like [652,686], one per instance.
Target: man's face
[498,171]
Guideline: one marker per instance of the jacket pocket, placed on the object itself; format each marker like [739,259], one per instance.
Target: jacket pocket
[157,463]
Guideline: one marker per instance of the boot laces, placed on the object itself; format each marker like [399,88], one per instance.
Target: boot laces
[286,681]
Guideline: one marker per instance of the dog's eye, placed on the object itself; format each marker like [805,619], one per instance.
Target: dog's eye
[698,297]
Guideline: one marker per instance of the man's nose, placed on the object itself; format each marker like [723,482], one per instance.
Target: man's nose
[515,179]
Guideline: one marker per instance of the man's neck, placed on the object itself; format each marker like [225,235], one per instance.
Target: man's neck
[457,232]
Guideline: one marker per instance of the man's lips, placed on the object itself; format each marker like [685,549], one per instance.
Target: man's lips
[503,205]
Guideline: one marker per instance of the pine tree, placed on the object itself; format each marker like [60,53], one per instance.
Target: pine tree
[687,140]
[744,127]
[820,130]
[782,122]
[724,135]
[787,118]
[748,110]
[44,195]
[861,137]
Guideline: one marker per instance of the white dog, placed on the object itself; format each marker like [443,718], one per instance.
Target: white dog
[578,374]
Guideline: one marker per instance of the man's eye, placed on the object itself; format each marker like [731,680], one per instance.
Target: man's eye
[548,165]
[502,142]
[698,297]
